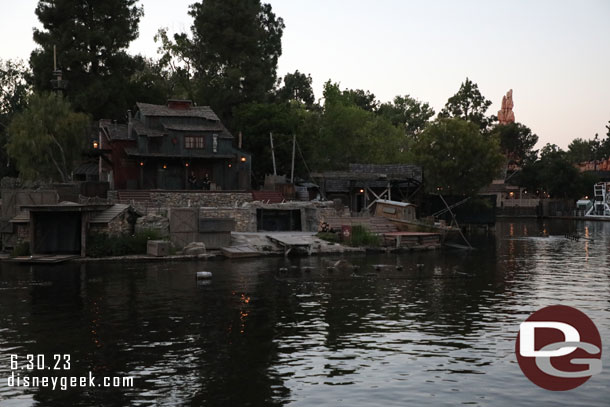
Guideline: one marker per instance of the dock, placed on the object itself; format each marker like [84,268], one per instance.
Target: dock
[289,242]
[413,240]
[238,252]
[43,258]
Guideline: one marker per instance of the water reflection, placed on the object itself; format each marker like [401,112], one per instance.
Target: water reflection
[431,328]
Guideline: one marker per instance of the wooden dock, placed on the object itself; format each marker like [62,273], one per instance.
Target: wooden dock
[43,258]
[289,242]
[413,240]
[237,252]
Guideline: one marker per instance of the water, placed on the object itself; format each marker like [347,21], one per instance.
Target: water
[441,333]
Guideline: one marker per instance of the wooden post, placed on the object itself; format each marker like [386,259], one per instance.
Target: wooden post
[294,142]
[272,153]
[84,219]
[32,233]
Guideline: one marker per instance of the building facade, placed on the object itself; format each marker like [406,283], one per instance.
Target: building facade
[175,146]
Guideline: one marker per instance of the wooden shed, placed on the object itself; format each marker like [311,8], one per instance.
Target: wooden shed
[395,210]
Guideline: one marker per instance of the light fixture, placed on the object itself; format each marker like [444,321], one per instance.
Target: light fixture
[141,164]
[164,166]
[230,165]
[243,159]
[362,191]
[95,144]
[186,165]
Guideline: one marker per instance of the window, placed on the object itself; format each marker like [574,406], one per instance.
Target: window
[195,142]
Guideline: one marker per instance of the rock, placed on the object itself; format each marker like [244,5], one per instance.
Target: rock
[194,248]
[506,114]
[157,223]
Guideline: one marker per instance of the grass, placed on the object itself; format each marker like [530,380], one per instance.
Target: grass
[103,245]
[361,236]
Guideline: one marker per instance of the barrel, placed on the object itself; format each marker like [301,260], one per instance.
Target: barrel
[302,194]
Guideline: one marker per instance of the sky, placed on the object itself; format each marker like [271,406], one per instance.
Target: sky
[555,55]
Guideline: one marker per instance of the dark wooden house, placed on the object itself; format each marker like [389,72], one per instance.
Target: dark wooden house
[174,147]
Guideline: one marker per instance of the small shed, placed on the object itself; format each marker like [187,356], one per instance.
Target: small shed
[395,209]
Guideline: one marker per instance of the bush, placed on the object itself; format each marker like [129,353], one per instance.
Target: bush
[328,236]
[362,237]
[21,249]
[102,245]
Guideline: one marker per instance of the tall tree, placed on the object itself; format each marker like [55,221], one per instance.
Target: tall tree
[14,91]
[456,157]
[91,39]
[47,138]
[468,104]
[407,113]
[234,52]
[297,86]
[516,141]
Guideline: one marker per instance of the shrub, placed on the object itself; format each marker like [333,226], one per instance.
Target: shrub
[102,245]
[362,237]
[21,249]
[328,236]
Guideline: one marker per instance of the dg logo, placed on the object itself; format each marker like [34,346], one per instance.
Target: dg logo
[559,348]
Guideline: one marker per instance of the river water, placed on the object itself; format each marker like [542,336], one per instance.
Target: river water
[431,328]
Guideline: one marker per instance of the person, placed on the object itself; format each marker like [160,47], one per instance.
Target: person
[192,180]
[206,182]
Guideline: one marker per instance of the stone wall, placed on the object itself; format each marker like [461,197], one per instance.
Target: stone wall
[245,218]
[118,226]
[199,199]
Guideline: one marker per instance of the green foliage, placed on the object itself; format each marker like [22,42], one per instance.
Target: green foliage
[103,245]
[555,175]
[516,141]
[407,113]
[47,138]
[21,249]
[233,52]
[362,237]
[328,236]
[456,157]
[350,134]
[14,91]
[468,104]
[297,87]
[580,150]
[91,38]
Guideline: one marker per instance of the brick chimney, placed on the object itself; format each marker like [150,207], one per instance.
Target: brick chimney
[179,104]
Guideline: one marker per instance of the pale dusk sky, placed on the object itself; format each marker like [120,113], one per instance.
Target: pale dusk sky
[555,55]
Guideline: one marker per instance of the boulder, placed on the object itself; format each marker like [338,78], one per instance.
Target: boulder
[194,248]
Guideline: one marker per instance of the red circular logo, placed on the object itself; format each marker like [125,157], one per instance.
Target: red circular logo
[559,348]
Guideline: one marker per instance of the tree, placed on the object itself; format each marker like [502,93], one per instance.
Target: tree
[457,159]
[362,98]
[234,51]
[580,150]
[14,91]
[516,141]
[297,86]
[407,113]
[91,39]
[47,138]
[350,134]
[468,104]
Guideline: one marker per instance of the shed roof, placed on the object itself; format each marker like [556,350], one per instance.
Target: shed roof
[114,131]
[161,110]
[109,214]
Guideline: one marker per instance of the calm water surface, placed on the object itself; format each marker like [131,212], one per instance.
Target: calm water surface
[441,333]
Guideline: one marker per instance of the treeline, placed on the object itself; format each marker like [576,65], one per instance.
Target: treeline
[228,60]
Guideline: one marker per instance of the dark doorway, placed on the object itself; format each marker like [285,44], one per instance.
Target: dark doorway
[57,232]
[278,220]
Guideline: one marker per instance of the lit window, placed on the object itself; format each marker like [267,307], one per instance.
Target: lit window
[194,142]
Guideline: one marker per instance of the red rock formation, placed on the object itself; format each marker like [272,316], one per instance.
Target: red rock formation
[506,115]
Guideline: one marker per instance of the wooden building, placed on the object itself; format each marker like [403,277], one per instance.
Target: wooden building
[363,184]
[175,146]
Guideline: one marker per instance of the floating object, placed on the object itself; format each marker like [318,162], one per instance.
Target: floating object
[203,275]
[420,266]
[283,269]
[398,267]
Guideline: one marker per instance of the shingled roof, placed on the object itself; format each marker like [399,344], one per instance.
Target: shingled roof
[164,111]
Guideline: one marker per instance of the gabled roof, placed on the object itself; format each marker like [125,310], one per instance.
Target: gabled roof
[114,131]
[109,214]
[205,112]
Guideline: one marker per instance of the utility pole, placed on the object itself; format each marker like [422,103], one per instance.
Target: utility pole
[272,153]
[294,142]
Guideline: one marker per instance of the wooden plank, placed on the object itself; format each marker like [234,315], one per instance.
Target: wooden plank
[239,251]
